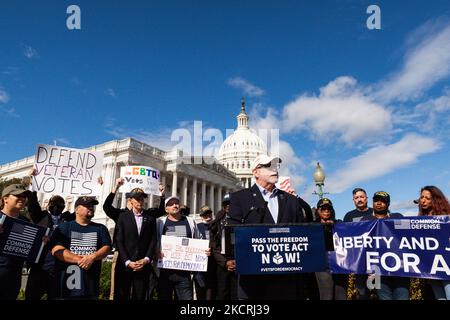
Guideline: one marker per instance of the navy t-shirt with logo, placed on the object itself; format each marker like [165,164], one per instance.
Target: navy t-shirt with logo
[82,240]
[356,215]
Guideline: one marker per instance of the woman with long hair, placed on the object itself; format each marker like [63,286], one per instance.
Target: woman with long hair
[432,202]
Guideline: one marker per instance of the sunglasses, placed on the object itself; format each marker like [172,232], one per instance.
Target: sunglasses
[269,165]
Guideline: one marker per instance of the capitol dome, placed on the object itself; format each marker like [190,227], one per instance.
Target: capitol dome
[239,150]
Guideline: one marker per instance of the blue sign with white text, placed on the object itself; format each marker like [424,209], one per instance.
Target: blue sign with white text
[279,249]
[416,247]
[21,239]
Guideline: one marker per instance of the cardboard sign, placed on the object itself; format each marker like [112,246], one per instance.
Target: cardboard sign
[66,171]
[183,253]
[146,178]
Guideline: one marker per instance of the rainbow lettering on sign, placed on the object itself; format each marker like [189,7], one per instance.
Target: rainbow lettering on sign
[139,171]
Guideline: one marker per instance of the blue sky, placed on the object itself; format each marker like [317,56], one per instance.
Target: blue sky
[373,106]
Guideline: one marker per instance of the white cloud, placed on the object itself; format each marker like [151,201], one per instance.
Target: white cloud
[407,207]
[110,92]
[11,112]
[381,160]
[427,61]
[248,88]
[160,138]
[341,112]
[440,104]
[30,53]
[434,113]
[291,163]
[271,120]
[4,97]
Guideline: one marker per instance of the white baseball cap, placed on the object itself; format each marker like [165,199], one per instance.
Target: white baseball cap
[263,159]
[170,198]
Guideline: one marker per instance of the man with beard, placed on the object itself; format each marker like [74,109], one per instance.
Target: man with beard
[79,247]
[263,203]
[362,210]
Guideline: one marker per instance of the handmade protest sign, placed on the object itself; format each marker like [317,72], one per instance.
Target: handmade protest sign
[66,171]
[183,253]
[146,178]
[21,239]
[416,247]
[280,249]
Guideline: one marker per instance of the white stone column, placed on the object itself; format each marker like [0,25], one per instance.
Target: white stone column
[211,197]
[203,194]
[123,201]
[184,191]
[219,199]
[194,196]
[174,183]
[163,182]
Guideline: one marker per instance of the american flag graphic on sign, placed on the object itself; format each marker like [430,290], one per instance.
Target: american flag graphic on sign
[284,183]
[23,233]
[402,224]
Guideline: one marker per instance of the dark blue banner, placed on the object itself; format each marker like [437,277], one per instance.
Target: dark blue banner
[279,249]
[21,239]
[417,247]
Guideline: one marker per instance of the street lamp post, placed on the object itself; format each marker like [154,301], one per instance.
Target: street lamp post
[319,179]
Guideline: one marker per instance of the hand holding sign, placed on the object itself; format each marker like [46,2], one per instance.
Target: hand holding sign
[145,178]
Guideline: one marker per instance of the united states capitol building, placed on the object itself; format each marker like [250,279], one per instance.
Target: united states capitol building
[196,182]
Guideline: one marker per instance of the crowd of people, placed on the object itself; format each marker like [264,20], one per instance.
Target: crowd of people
[70,265]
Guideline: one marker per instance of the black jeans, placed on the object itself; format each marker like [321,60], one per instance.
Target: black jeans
[40,281]
[10,278]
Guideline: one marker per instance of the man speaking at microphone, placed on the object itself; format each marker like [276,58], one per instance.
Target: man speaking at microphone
[263,203]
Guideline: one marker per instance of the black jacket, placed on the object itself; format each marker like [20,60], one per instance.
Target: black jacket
[114,213]
[131,245]
[248,207]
